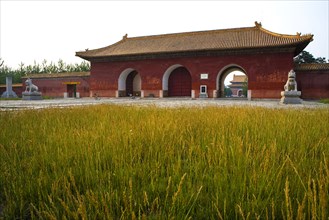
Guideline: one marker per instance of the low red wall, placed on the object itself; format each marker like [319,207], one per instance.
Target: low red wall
[313,84]
[56,86]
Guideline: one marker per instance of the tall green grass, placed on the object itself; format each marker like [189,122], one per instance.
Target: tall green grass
[116,162]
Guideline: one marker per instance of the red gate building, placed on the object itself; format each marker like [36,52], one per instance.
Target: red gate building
[194,63]
[180,64]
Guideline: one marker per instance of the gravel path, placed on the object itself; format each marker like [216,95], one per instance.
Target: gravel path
[166,103]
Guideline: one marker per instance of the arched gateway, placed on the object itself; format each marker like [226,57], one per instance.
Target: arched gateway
[177,82]
[194,64]
[222,74]
[129,83]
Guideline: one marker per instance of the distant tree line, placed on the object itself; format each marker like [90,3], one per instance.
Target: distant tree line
[36,68]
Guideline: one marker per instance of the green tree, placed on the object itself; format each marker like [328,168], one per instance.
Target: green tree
[36,68]
[7,71]
[306,57]
[245,87]
[227,92]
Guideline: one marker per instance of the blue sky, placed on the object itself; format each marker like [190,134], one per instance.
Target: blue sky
[52,30]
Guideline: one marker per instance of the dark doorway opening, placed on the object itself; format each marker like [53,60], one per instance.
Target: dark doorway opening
[131,88]
[71,90]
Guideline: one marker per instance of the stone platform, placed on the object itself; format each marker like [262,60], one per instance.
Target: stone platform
[32,96]
[9,105]
[291,97]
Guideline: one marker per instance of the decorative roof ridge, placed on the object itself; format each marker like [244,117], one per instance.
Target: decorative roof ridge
[258,25]
[191,33]
[311,66]
[298,34]
[124,38]
[50,75]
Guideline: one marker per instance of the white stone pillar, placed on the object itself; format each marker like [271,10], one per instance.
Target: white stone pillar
[65,95]
[142,93]
[160,93]
[78,95]
[116,93]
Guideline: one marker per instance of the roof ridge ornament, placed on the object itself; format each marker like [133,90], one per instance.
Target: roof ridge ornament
[125,37]
[258,24]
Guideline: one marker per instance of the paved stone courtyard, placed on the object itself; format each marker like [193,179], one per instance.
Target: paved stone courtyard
[166,103]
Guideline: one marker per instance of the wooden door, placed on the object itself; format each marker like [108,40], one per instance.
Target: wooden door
[180,82]
[130,83]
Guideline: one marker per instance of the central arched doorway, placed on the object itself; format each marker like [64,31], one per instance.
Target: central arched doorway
[179,83]
[129,83]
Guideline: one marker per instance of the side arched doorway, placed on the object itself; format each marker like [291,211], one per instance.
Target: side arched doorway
[133,84]
[177,82]
[129,83]
[236,87]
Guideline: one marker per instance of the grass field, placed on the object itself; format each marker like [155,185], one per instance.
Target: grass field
[116,162]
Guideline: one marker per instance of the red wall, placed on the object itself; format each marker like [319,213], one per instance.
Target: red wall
[267,73]
[313,84]
[55,87]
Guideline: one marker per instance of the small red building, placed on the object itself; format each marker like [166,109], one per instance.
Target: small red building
[237,84]
[61,85]
[194,64]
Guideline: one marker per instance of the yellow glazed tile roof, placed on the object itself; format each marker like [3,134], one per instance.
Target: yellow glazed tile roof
[239,78]
[57,75]
[311,66]
[213,40]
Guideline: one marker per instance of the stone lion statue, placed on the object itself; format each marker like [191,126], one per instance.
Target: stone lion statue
[30,87]
[291,84]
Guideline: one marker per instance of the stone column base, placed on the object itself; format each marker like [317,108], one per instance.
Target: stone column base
[249,95]
[214,94]
[193,94]
[8,94]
